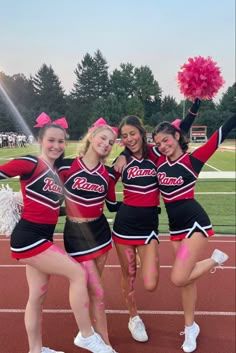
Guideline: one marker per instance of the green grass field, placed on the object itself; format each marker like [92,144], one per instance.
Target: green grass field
[217,196]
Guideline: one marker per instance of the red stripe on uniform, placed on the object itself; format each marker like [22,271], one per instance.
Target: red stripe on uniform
[93,255]
[182,236]
[128,241]
[37,250]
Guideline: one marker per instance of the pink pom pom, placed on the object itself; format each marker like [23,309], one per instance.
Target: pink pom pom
[200,78]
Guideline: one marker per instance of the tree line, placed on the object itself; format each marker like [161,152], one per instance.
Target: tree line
[95,93]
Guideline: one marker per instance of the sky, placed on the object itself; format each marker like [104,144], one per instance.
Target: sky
[161,34]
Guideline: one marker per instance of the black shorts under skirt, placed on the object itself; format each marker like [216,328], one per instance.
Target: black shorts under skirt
[186,217]
[29,239]
[135,225]
[87,240]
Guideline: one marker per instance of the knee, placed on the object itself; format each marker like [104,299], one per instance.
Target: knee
[150,284]
[37,297]
[79,274]
[178,280]
[97,294]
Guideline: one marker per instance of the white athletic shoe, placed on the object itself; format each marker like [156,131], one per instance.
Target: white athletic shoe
[219,257]
[48,350]
[112,350]
[137,329]
[93,343]
[190,342]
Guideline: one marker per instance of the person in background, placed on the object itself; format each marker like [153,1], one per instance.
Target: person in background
[135,228]
[190,226]
[87,235]
[32,237]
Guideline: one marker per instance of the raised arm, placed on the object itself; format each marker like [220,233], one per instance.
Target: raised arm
[187,122]
[204,152]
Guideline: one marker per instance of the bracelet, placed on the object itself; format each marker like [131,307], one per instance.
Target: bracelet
[195,114]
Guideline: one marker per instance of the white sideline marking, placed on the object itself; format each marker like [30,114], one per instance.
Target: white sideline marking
[211,166]
[146,312]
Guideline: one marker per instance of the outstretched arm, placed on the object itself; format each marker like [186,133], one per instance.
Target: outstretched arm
[204,152]
[21,166]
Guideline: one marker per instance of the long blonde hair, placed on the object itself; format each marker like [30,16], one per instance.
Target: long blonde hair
[86,140]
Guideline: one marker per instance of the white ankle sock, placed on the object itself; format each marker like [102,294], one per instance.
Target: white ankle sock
[190,327]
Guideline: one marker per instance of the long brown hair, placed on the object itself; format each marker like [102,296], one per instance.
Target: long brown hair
[135,121]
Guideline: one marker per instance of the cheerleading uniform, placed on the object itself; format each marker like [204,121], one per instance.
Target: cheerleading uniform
[136,222]
[87,233]
[42,195]
[176,183]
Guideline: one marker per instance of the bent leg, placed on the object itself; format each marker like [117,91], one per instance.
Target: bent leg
[187,269]
[186,266]
[56,261]
[149,257]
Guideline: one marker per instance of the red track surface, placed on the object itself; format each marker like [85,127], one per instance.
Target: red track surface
[161,310]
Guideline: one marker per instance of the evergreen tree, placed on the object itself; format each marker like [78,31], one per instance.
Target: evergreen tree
[16,97]
[228,101]
[111,109]
[123,82]
[102,83]
[145,84]
[169,105]
[92,80]
[148,91]
[49,94]
[91,85]
[84,88]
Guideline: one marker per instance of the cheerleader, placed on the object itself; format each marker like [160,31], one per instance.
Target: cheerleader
[190,226]
[32,237]
[135,229]
[87,235]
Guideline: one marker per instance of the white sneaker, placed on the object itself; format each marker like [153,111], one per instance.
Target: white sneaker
[112,349]
[219,257]
[93,343]
[191,334]
[48,350]
[137,329]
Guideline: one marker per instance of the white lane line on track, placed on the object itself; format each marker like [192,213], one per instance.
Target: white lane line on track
[118,266]
[146,312]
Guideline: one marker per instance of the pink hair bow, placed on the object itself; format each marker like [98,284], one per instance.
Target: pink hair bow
[176,123]
[43,119]
[102,122]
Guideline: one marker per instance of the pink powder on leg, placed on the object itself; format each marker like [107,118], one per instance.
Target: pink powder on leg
[183,252]
[44,288]
[57,249]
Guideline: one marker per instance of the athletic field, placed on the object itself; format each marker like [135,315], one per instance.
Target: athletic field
[215,188]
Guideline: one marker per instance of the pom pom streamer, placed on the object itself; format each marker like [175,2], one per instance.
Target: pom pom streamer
[10,210]
[200,78]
